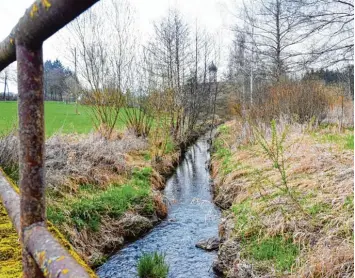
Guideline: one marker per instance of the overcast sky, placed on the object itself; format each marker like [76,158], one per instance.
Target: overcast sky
[210,14]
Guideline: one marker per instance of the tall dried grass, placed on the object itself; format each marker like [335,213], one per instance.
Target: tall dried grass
[72,160]
[322,179]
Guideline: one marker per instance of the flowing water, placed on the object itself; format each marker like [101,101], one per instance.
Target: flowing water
[192,216]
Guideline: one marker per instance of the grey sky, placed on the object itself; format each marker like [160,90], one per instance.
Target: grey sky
[210,14]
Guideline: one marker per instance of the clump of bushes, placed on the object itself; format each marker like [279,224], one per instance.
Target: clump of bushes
[301,101]
[152,265]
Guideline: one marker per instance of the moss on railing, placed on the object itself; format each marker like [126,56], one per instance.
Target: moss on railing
[10,249]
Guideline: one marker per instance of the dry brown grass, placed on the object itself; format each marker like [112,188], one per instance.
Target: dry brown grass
[75,162]
[320,174]
[72,160]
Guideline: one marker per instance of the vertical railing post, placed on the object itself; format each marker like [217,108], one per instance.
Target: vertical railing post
[31,134]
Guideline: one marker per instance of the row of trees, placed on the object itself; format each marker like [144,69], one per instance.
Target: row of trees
[275,40]
[60,83]
[171,78]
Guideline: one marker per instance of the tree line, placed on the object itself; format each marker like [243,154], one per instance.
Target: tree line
[280,40]
[174,77]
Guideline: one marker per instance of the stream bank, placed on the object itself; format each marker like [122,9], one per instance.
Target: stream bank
[192,216]
[264,232]
[87,177]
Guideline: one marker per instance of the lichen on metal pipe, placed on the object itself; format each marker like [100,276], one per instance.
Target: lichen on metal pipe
[31,134]
[41,20]
[51,257]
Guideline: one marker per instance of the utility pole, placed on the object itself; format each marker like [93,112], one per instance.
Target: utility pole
[252,55]
[75,85]
[5,84]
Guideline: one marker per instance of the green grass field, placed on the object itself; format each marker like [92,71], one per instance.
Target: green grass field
[59,117]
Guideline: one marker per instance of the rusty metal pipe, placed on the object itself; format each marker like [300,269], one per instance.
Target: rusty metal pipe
[40,21]
[11,201]
[31,135]
[50,256]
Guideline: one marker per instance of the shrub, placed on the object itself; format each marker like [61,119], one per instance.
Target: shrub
[274,150]
[139,121]
[152,266]
[104,106]
[299,100]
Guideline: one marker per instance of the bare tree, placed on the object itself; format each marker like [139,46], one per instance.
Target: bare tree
[273,32]
[331,30]
[8,76]
[170,55]
[102,49]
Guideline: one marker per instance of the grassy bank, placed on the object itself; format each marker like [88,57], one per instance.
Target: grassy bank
[289,216]
[100,193]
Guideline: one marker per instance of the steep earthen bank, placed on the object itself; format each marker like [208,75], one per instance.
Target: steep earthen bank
[265,232]
[80,167]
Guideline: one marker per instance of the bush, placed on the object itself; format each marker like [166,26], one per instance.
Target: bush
[104,106]
[152,266]
[301,101]
[139,121]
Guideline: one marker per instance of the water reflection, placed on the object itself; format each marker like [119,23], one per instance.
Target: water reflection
[192,216]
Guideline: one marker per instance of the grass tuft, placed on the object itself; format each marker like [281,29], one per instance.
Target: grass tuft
[152,265]
[281,252]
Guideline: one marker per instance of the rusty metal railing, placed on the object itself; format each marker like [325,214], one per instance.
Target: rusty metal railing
[42,255]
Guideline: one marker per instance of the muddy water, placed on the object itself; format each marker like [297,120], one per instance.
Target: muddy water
[192,216]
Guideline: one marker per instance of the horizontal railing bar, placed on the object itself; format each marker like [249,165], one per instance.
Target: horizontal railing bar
[51,257]
[11,201]
[40,21]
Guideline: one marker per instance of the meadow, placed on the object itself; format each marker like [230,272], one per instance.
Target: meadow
[59,117]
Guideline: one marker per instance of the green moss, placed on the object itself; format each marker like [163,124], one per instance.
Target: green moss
[282,253]
[10,249]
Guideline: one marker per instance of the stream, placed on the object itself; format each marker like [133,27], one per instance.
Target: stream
[192,216]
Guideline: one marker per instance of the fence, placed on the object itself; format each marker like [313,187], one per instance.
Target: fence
[42,255]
